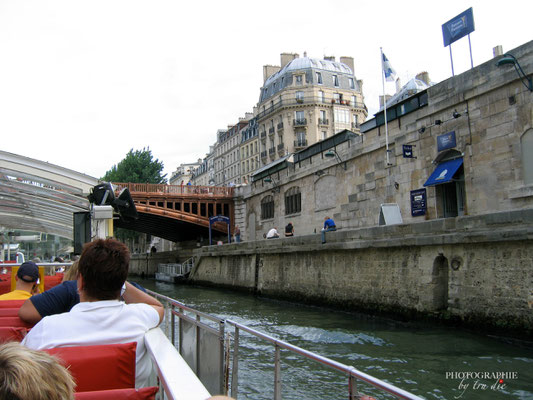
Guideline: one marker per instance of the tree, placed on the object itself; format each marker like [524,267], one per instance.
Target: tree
[137,167]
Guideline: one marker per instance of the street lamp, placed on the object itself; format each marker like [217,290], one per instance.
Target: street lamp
[510,59]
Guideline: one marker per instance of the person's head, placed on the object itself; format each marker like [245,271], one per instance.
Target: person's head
[326,217]
[103,268]
[27,374]
[28,273]
[71,273]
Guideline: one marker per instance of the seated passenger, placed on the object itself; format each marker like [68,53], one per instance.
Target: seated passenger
[100,317]
[31,374]
[26,282]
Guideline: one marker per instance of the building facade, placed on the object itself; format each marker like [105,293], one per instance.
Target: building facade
[184,173]
[460,147]
[306,100]
[249,151]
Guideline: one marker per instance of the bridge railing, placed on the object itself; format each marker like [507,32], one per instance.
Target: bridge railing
[174,189]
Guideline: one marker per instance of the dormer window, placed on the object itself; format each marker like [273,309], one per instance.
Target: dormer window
[335,81]
[299,79]
[319,78]
[352,83]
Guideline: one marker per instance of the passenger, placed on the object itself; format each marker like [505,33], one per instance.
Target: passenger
[100,317]
[329,225]
[71,274]
[237,233]
[289,229]
[273,233]
[27,374]
[26,282]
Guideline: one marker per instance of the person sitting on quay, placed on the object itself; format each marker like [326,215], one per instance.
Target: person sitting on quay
[100,317]
[272,234]
[289,230]
[26,282]
[237,233]
[30,374]
[329,225]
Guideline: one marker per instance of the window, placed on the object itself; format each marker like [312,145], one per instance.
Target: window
[299,79]
[354,101]
[293,201]
[300,116]
[526,142]
[321,97]
[319,78]
[341,116]
[323,115]
[324,135]
[352,83]
[267,207]
[337,97]
[300,97]
[335,81]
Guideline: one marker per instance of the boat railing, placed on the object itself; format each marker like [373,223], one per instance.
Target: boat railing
[353,373]
[202,340]
[199,339]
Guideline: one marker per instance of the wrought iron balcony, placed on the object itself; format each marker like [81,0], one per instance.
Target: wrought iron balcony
[263,154]
[300,143]
[272,150]
[263,134]
[280,126]
[322,121]
[271,131]
[300,122]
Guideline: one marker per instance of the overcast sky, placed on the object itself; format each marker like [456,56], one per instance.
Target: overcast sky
[83,82]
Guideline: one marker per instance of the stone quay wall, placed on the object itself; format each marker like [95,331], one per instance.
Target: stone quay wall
[473,270]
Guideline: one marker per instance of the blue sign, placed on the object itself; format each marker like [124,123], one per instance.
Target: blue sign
[418,202]
[446,141]
[407,151]
[458,27]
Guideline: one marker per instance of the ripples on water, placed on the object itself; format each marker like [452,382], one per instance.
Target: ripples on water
[413,357]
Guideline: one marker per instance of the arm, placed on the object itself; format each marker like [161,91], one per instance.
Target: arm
[28,313]
[133,295]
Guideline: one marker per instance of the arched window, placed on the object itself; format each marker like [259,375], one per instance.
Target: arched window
[526,142]
[293,201]
[267,207]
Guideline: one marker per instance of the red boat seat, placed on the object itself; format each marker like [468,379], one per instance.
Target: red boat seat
[11,303]
[100,367]
[14,321]
[9,312]
[119,394]
[12,334]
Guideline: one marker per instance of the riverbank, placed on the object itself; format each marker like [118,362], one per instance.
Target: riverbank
[470,271]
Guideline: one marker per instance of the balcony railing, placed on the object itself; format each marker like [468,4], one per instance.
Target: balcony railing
[271,131]
[263,135]
[307,100]
[280,126]
[272,150]
[300,122]
[322,121]
[356,125]
[281,146]
[263,154]
[300,143]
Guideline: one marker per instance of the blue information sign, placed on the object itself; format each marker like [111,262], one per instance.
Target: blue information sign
[458,27]
[407,151]
[418,202]
[446,141]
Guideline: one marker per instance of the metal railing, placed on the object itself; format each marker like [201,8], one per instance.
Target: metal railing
[352,372]
[173,189]
[190,321]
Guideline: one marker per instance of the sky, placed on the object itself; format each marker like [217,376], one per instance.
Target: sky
[83,82]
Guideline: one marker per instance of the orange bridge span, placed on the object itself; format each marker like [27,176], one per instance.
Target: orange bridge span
[178,212]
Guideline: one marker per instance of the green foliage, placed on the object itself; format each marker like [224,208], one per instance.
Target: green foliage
[138,167]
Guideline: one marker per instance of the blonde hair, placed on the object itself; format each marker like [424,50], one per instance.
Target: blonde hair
[27,374]
[71,273]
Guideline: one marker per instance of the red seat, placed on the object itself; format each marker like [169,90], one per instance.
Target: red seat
[119,394]
[14,321]
[11,303]
[10,334]
[101,367]
[9,312]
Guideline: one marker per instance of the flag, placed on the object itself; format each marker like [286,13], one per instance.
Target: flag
[388,71]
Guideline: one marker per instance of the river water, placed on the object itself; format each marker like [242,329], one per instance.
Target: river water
[429,361]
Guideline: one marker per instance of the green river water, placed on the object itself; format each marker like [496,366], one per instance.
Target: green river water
[429,361]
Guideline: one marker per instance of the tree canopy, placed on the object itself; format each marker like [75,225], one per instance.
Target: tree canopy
[138,166]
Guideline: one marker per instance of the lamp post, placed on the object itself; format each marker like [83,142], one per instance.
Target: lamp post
[510,59]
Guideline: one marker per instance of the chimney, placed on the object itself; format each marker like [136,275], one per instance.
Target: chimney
[497,51]
[398,85]
[329,58]
[423,76]
[287,58]
[269,70]
[348,61]
[381,99]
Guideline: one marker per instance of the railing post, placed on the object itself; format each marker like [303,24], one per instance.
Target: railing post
[197,346]
[352,388]
[235,368]
[277,374]
[221,331]
[173,328]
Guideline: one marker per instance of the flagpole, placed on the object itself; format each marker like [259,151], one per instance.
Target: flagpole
[385,108]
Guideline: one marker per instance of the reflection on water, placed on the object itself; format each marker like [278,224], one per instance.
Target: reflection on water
[419,359]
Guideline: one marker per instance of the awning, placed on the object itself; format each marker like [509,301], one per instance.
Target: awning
[444,172]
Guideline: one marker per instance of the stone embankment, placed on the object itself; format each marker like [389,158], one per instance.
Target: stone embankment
[477,271]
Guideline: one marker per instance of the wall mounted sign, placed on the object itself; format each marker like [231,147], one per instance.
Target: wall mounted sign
[446,141]
[408,151]
[418,202]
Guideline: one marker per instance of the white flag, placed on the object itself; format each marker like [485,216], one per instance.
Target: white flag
[388,71]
